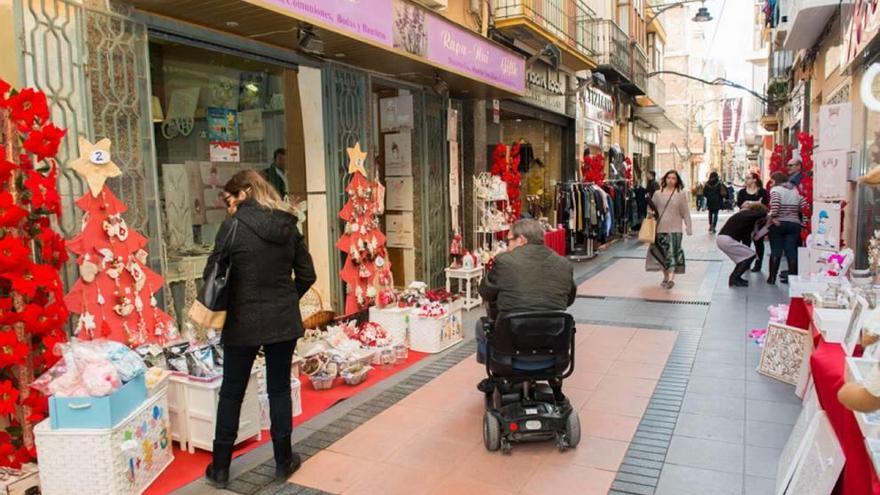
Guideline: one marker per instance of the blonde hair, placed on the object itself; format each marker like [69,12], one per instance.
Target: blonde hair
[257,188]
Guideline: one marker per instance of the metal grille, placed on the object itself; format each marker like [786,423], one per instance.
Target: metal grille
[434,191]
[345,123]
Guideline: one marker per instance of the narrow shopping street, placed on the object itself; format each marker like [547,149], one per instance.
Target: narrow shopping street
[665,384]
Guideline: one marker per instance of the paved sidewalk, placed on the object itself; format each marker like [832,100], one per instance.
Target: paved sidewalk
[668,396]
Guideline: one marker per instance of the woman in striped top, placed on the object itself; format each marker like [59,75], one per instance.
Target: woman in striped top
[786,205]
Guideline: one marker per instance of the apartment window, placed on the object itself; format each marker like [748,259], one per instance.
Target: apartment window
[655,51]
[623,9]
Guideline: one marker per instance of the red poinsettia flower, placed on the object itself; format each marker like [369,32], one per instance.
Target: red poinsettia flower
[44,193]
[10,214]
[7,313]
[28,108]
[44,142]
[23,456]
[12,350]
[4,93]
[7,453]
[6,167]
[14,254]
[52,250]
[33,278]
[39,405]
[8,397]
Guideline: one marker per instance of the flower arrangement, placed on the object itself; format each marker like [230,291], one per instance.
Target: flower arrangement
[369,334]
[32,309]
[431,309]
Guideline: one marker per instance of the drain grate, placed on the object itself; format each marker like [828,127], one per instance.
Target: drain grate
[655,301]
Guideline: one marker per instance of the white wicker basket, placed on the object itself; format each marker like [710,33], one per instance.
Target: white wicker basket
[120,461]
[394,320]
[295,398]
[433,335]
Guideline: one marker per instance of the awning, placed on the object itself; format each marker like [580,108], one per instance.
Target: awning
[364,34]
[656,118]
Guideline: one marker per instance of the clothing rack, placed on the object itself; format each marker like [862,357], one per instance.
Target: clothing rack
[588,250]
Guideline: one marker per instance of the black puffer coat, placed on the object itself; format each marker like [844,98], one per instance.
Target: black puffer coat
[263,298]
[714,197]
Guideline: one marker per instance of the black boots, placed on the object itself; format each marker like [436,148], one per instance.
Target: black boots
[758,263]
[736,279]
[217,472]
[286,462]
[774,269]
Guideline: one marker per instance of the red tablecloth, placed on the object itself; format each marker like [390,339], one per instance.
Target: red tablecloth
[828,365]
[555,240]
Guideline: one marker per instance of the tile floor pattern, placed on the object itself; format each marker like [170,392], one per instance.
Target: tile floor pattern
[431,441]
[669,402]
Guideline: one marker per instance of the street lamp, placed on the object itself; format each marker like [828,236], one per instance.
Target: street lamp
[702,15]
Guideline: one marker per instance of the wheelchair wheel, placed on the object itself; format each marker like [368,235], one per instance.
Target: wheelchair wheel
[572,430]
[491,432]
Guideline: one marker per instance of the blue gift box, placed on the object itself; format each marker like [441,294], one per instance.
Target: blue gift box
[97,412]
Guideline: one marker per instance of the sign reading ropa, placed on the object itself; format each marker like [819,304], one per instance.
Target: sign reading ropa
[400,26]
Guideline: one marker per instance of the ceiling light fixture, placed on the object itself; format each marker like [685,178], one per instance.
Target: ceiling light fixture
[703,15]
[309,41]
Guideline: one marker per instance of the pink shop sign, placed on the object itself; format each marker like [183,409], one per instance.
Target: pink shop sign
[368,19]
[461,51]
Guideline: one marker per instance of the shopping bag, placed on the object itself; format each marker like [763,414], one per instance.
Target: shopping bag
[648,231]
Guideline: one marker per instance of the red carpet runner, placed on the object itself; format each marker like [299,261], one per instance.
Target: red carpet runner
[189,467]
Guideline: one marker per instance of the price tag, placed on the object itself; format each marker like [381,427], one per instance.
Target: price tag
[100,157]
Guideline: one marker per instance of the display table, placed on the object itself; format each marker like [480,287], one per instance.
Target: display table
[469,278]
[828,367]
[555,240]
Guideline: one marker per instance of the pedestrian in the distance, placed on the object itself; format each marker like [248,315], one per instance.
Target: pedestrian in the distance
[265,249]
[735,237]
[673,211]
[754,192]
[786,205]
[715,192]
[701,199]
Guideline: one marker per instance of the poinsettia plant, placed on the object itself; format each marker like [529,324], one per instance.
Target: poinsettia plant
[805,188]
[32,310]
[593,169]
[505,164]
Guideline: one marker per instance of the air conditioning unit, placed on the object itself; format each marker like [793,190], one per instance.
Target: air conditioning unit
[434,4]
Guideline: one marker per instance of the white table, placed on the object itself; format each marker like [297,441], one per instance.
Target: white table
[466,277]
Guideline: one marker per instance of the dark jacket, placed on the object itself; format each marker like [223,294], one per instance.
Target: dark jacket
[741,225]
[712,191]
[530,278]
[277,182]
[263,297]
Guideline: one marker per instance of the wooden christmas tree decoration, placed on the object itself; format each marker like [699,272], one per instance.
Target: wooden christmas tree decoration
[114,296]
[367,269]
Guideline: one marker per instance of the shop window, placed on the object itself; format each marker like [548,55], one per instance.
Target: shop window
[214,115]
[868,197]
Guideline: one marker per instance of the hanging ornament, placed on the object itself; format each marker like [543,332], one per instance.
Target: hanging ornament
[364,272]
[138,304]
[380,261]
[371,292]
[124,305]
[153,302]
[88,270]
[137,273]
[141,256]
[115,226]
[356,159]
[85,323]
[373,245]
[101,299]
[94,164]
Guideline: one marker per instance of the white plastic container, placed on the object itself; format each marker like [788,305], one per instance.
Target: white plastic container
[295,398]
[123,460]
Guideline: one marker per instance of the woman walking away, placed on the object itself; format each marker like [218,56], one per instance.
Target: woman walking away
[714,191]
[754,192]
[735,237]
[786,205]
[264,246]
[672,207]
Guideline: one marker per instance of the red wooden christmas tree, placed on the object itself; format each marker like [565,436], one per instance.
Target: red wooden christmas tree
[367,269]
[114,296]
[32,312]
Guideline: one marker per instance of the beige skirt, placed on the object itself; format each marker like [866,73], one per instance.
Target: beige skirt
[734,249]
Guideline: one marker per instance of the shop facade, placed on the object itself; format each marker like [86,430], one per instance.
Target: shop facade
[168,81]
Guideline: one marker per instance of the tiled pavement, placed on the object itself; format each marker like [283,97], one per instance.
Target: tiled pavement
[710,424]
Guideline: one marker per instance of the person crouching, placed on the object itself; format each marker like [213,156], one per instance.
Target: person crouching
[735,238]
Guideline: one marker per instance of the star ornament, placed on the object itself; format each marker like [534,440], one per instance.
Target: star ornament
[94,164]
[356,159]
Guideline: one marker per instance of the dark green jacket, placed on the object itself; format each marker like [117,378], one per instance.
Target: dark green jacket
[529,278]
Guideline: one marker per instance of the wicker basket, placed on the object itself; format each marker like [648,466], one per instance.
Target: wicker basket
[311,307]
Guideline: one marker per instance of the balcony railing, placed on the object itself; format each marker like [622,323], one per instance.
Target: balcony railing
[569,21]
[612,46]
[781,62]
[657,90]
[640,68]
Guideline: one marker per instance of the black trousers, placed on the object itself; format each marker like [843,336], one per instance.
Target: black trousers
[237,364]
[713,218]
[759,250]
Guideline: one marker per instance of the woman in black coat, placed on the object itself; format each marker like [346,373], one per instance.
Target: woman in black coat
[263,311]
[714,191]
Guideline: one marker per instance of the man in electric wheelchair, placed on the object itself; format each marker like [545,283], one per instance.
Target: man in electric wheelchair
[527,343]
